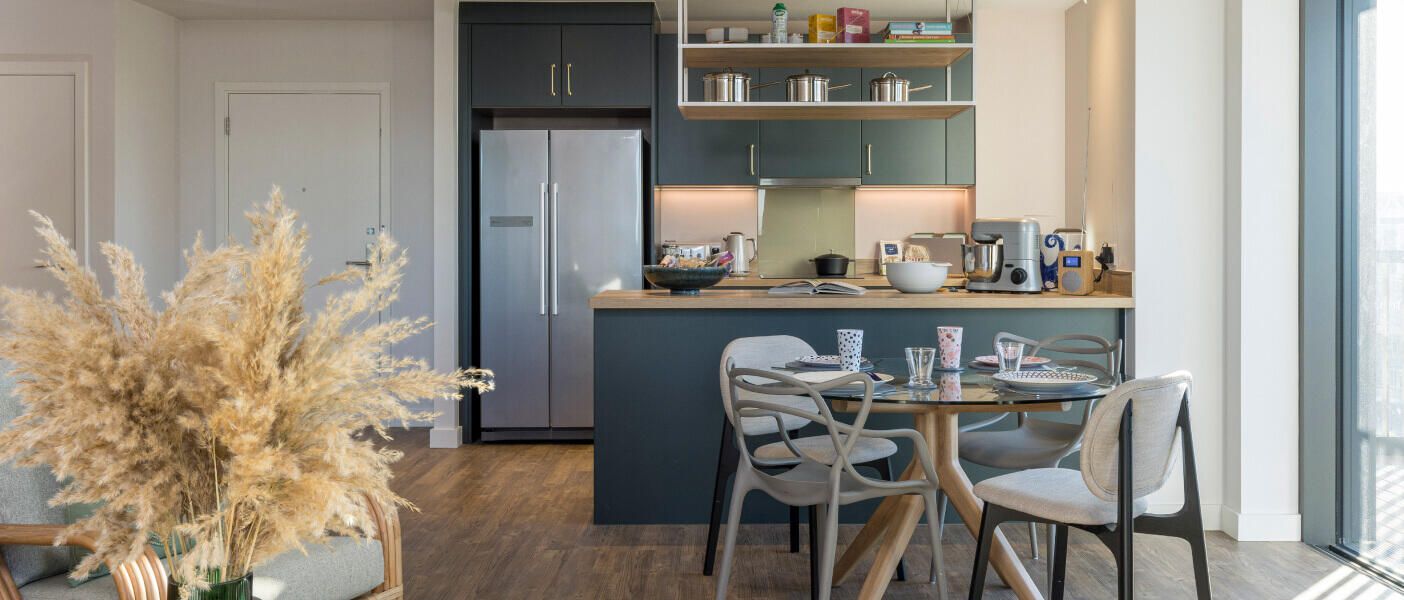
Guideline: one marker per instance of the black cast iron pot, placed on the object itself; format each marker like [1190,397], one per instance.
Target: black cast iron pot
[830,265]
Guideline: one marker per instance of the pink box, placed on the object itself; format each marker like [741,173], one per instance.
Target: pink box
[852,25]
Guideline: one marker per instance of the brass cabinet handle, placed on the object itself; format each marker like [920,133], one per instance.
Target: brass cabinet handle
[553,79]
[870,159]
[753,158]
[569,91]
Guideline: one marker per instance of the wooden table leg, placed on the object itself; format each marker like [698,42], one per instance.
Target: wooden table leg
[962,496]
[873,531]
[902,524]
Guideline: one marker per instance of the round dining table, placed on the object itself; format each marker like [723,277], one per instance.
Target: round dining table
[935,412]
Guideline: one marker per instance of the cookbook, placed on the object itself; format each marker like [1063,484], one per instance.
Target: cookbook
[814,286]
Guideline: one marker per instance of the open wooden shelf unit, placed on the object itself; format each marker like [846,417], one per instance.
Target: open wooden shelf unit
[804,111]
[718,56]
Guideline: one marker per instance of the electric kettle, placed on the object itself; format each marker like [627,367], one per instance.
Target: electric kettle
[741,259]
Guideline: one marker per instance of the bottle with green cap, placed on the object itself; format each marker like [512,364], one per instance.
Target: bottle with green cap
[779,23]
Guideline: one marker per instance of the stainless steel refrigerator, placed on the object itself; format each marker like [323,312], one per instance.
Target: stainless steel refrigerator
[561,220]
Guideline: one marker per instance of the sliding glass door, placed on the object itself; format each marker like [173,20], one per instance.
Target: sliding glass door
[1372,476]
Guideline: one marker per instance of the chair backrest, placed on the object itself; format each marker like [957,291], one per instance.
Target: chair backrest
[1108,353]
[1155,410]
[762,353]
[24,499]
[756,390]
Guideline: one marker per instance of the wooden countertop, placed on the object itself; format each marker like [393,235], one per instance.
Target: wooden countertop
[874,299]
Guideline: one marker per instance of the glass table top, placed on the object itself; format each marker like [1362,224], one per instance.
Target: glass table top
[964,387]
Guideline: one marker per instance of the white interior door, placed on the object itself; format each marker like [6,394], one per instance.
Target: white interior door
[40,169]
[324,150]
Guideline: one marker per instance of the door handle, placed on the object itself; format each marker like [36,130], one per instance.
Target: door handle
[542,223]
[555,252]
[358,263]
[553,79]
[569,88]
[870,159]
[752,150]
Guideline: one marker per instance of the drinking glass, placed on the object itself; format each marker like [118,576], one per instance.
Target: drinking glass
[919,364]
[1011,355]
[850,345]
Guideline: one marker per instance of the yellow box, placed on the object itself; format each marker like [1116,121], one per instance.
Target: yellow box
[822,29]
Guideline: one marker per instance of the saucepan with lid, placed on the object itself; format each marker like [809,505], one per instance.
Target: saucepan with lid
[809,87]
[729,86]
[892,88]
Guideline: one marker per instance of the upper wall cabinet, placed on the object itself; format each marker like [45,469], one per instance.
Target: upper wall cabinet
[607,65]
[700,152]
[535,55]
[517,65]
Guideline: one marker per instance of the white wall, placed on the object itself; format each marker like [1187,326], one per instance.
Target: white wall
[397,52]
[1179,213]
[1101,75]
[1260,321]
[78,30]
[1019,136]
[145,140]
[447,432]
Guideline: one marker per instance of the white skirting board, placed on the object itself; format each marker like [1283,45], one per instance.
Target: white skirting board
[445,437]
[1260,527]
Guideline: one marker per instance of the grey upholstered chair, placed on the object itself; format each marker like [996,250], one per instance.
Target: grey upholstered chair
[825,479]
[1039,443]
[763,353]
[32,569]
[1130,445]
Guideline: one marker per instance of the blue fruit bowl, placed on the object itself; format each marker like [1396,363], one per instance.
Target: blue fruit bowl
[684,282]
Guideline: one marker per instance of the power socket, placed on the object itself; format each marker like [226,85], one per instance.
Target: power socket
[1107,257]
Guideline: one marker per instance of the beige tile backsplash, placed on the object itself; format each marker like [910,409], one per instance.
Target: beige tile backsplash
[802,223]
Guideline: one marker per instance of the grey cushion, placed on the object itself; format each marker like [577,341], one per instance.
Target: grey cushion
[342,570]
[1055,494]
[24,500]
[820,448]
[1038,443]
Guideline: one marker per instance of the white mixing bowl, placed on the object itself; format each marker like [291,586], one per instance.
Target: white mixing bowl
[917,277]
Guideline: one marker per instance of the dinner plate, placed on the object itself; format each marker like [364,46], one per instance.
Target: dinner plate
[823,376]
[979,366]
[993,361]
[1045,381]
[825,361]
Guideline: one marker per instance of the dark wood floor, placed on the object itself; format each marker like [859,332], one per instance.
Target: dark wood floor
[513,521]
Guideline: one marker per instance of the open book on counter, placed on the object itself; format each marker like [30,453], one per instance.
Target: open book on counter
[815,286]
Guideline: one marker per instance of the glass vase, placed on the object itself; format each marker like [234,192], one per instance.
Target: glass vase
[234,589]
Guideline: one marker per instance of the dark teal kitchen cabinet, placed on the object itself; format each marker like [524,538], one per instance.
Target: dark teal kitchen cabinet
[960,129]
[516,65]
[607,65]
[906,152]
[699,152]
[810,148]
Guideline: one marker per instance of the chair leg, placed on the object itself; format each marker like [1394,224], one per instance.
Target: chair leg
[1058,560]
[938,562]
[733,522]
[813,553]
[829,532]
[884,469]
[1033,540]
[794,529]
[1051,553]
[989,523]
[940,528]
[727,460]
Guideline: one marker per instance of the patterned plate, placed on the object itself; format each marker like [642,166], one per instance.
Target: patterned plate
[1045,381]
[823,376]
[824,361]
[988,368]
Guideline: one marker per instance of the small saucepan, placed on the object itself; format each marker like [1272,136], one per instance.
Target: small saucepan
[809,87]
[891,88]
[830,265]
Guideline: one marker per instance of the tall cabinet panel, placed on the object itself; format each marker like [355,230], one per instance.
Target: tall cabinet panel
[810,148]
[517,65]
[597,245]
[604,65]
[700,152]
[906,152]
[960,129]
[513,226]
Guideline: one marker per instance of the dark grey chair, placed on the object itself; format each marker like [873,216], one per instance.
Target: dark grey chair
[1128,454]
[828,480]
[1039,443]
[763,353]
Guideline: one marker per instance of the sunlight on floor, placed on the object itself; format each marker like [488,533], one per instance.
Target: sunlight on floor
[1344,583]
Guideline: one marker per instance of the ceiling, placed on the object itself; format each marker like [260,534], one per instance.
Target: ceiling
[698,10]
[369,10]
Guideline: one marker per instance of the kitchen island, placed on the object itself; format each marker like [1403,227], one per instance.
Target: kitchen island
[658,413]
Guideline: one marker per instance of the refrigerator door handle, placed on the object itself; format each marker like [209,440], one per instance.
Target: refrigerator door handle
[555,252]
[542,223]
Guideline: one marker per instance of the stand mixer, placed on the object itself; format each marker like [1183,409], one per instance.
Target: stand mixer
[1004,256]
